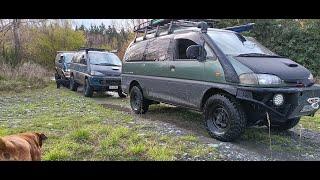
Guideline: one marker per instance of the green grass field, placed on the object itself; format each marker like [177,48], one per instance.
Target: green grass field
[80,129]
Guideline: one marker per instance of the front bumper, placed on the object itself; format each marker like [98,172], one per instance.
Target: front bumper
[103,83]
[295,100]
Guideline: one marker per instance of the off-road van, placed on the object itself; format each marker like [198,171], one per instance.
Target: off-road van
[235,81]
[95,70]
[62,63]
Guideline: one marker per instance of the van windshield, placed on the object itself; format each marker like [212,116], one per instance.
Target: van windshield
[68,57]
[104,58]
[237,45]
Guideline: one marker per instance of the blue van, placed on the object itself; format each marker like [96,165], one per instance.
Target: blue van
[95,70]
[62,63]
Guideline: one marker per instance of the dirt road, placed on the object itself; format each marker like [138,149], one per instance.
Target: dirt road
[253,145]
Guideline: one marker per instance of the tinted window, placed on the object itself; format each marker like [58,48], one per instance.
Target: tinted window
[135,51]
[103,58]
[159,49]
[235,44]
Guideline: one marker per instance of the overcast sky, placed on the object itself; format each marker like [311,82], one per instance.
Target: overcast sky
[88,22]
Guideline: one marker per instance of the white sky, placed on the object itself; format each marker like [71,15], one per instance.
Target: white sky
[88,22]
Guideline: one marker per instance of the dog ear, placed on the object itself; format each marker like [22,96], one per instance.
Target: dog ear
[2,144]
[42,137]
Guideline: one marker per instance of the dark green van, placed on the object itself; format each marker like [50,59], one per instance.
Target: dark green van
[235,81]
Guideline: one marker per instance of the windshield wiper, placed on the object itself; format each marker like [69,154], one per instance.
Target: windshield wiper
[257,55]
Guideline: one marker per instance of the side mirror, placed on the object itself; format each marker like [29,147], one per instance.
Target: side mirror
[196,52]
[61,59]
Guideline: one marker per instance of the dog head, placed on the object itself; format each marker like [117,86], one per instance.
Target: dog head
[41,138]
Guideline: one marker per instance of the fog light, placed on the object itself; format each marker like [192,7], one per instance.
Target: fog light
[278,99]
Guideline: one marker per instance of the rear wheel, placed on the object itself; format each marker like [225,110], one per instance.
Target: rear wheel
[224,118]
[87,89]
[73,84]
[283,126]
[138,103]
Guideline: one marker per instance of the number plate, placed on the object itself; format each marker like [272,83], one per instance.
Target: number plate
[113,87]
[307,108]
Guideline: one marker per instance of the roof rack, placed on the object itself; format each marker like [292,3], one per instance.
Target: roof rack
[90,49]
[155,26]
[65,51]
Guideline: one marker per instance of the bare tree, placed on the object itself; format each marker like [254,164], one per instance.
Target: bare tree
[16,40]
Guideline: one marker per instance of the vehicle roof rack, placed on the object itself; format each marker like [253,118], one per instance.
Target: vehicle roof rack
[156,25]
[65,51]
[169,25]
[90,49]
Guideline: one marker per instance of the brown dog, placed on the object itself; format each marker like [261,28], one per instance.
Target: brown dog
[22,147]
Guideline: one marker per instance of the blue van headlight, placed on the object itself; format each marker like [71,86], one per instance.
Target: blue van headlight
[260,79]
[311,78]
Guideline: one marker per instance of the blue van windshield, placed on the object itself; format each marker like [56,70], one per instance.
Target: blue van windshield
[104,58]
[235,44]
[68,57]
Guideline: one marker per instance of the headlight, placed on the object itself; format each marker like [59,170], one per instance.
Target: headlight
[278,99]
[311,77]
[96,73]
[259,79]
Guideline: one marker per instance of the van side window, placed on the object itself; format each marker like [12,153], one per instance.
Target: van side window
[136,51]
[159,49]
[181,48]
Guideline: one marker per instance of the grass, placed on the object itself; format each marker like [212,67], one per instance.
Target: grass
[80,129]
[25,76]
[311,122]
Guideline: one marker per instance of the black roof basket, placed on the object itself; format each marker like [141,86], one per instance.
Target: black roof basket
[154,26]
[155,23]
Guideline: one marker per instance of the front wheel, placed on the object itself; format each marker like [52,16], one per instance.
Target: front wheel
[224,118]
[73,84]
[283,126]
[87,89]
[58,79]
[138,103]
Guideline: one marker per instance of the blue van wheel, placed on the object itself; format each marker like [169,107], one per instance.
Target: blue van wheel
[73,84]
[87,89]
